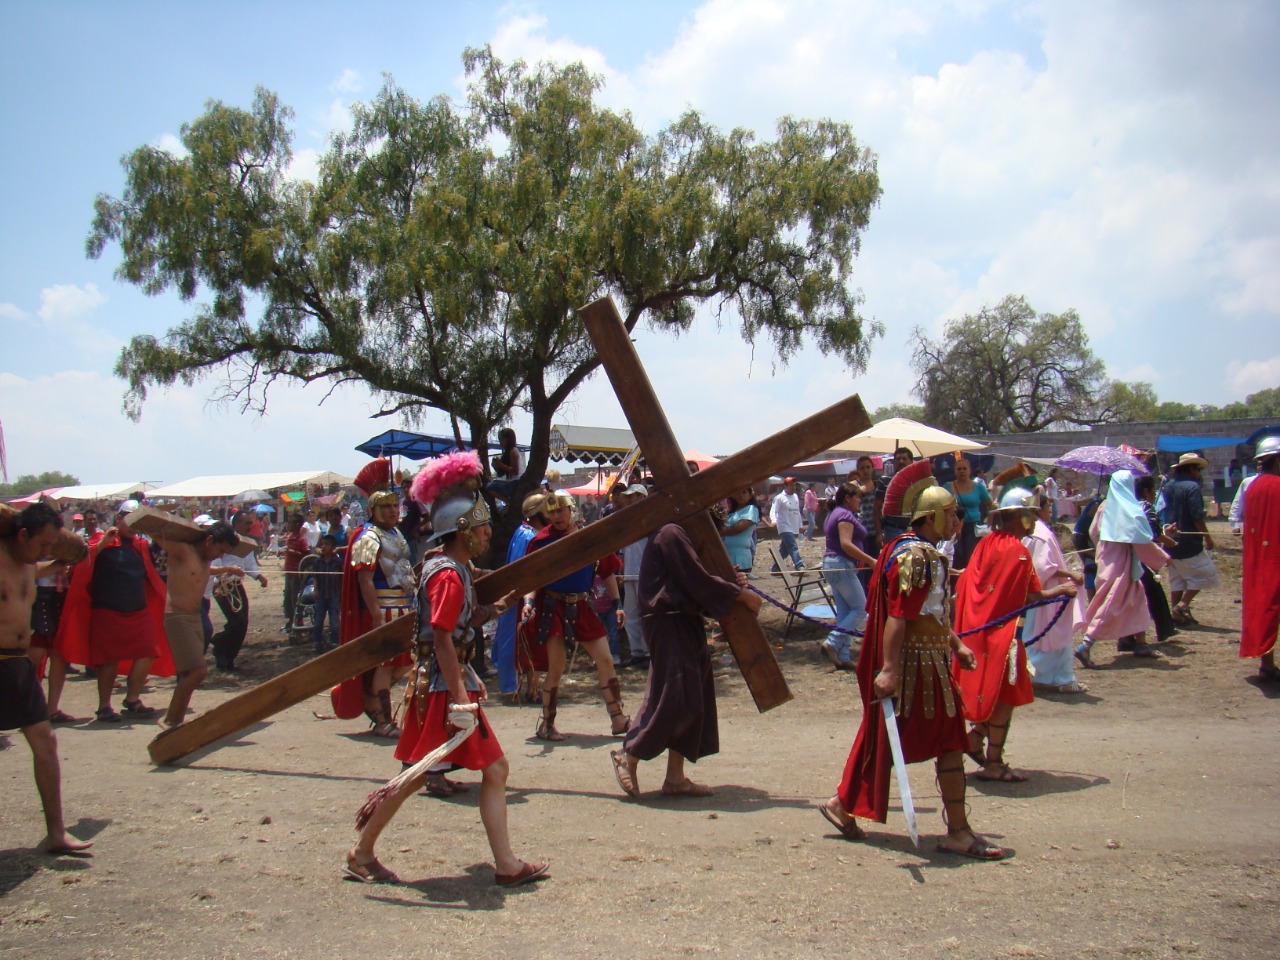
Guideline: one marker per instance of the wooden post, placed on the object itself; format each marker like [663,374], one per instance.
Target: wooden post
[683,499]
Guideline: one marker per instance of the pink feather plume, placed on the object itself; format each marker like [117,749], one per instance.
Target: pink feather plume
[444,472]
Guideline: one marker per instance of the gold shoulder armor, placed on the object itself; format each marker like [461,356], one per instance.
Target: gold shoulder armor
[913,566]
[364,552]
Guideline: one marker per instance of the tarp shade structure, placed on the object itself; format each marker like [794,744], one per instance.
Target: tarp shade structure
[116,490]
[703,460]
[414,446]
[1184,444]
[590,444]
[823,469]
[231,484]
[596,486]
[102,491]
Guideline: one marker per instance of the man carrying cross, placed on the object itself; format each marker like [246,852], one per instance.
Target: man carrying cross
[679,710]
[906,654]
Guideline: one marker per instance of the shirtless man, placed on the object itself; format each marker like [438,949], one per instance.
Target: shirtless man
[189,571]
[22,703]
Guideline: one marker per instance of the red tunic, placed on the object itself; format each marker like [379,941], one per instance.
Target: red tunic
[446,592]
[1260,584]
[79,617]
[864,787]
[995,583]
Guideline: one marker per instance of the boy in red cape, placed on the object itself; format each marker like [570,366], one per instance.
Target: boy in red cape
[907,653]
[999,579]
[1260,610]
[95,633]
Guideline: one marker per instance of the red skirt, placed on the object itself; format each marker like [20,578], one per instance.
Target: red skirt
[115,636]
[418,739]
[531,655]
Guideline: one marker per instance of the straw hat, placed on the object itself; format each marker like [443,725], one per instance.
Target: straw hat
[1191,460]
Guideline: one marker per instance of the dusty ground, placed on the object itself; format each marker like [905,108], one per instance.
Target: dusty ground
[1148,829]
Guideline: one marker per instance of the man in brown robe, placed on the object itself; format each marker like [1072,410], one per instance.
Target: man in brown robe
[679,710]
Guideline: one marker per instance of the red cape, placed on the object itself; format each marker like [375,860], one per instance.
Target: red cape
[1260,584]
[995,583]
[72,639]
[355,621]
[864,789]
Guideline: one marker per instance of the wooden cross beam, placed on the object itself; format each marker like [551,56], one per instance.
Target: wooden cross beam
[684,498]
[167,526]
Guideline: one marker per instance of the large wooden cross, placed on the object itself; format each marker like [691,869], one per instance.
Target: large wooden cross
[679,497]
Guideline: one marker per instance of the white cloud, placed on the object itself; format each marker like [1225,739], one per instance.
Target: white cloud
[305,165]
[66,301]
[11,311]
[348,81]
[1253,375]
[338,116]
[171,145]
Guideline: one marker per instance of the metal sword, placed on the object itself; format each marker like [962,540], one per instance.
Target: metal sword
[900,768]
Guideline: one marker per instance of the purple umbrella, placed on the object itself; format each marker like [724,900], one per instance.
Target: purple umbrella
[1103,461]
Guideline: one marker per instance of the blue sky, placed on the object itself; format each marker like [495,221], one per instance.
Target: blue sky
[1118,159]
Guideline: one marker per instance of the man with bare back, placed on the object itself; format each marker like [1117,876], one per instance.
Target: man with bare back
[22,703]
[189,571]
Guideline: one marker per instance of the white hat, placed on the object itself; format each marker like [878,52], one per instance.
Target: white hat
[636,490]
[128,506]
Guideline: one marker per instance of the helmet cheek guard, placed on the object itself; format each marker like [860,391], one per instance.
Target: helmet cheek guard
[933,502]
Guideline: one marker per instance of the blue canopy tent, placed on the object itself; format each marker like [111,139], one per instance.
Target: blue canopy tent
[402,443]
[1184,444]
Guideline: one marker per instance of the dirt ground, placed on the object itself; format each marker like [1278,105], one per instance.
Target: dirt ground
[1148,829]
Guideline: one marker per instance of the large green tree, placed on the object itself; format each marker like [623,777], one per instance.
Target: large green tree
[1008,369]
[31,482]
[441,253]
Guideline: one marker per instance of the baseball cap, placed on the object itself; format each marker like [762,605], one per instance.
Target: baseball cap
[128,506]
[636,490]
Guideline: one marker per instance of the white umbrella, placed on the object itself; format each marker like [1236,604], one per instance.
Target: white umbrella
[251,496]
[887,435]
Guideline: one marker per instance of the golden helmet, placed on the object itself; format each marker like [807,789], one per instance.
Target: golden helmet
[383,498]
[933,502]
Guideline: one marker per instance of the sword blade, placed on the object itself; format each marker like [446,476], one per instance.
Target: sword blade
[900,768]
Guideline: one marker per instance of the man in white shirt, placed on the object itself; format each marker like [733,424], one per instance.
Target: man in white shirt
[784,514]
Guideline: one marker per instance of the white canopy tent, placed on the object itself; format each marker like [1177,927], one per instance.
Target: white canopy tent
[117,490]
[228,485]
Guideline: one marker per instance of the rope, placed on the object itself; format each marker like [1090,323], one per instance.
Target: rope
[1060,601]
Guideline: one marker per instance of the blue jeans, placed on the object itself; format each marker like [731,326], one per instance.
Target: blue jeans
[851,603]
[502,655]
[610,620]
[789,549]
[810,519]
[322,606]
